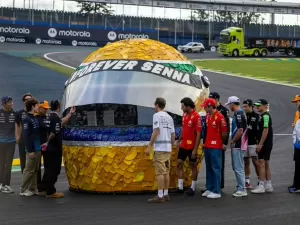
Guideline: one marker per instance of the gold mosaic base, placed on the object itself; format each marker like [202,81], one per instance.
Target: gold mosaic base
[117,169]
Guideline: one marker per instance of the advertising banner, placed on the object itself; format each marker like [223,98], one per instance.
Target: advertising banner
[70,36]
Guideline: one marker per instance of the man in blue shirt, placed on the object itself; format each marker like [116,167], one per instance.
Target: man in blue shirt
[7,142]
[239,125]
[31,136]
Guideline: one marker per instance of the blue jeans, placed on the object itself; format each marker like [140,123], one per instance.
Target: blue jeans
[237,156]
[213,161]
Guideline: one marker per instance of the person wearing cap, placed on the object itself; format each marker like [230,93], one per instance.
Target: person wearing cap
[8,134]
[296,101]
[264,147]
[44,124]
[225,112]
[252,122]
[188,143]
[238,130]
[19,119]
[53,151]
[216,134]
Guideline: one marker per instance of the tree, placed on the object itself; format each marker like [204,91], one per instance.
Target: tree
[237,17]
[93,7]
[200,14]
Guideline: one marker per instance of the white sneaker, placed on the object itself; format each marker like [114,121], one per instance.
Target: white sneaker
[213,195]
[0,187]
[27,193]
[269,188]
[260,189]
[7,189]
[206,193]
[238,194]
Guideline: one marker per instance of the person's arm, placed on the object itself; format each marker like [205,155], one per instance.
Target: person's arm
[240,129]
[28,141]
[173,133]
[296,118]
[198,125]
[265,132]
[154,135]
[66,119]
[226,117]
[18,126]
[224,130]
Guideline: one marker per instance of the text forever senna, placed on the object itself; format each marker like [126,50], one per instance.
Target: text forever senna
[139,66]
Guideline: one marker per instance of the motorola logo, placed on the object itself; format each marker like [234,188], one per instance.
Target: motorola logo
[112,36]
[2,39]
[74,43]
[52,32]
[38,41]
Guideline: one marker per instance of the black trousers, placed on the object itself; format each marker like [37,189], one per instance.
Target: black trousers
[222,171]
[52,168]
[297,169]
[22,155]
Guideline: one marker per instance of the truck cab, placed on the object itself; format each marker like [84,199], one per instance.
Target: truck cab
[232,43]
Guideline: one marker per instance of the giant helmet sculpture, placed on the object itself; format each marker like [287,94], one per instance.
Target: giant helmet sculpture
[114,90]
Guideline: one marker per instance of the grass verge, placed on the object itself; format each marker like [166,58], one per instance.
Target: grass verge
[50,65]
[282,71]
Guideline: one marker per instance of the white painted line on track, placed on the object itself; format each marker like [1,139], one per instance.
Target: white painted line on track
[46,56]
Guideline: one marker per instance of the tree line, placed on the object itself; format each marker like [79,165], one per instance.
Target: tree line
[200,15]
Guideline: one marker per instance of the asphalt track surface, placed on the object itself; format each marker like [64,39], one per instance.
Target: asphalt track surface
[279,208]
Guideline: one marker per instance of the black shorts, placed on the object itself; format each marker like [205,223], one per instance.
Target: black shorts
[185,153]
[265,153]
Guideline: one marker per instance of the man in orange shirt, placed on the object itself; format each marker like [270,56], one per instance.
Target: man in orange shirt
[188,143]
[296,100]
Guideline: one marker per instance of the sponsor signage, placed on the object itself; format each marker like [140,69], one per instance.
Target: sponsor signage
[74,36]
[12,39]
[137,66]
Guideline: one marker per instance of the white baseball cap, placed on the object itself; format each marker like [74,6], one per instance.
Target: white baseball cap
[232,99]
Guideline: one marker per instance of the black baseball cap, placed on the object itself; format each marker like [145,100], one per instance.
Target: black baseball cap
[214,95]
[248,102]
[6,99]
[261,102]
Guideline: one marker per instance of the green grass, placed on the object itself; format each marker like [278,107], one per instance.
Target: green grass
[282,71]
[50,65]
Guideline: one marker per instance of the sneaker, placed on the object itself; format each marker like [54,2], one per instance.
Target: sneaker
[259,190]
[238,194]
[167,198]
[206,193]
[248,186]
[177,191]
[291,187]
[190,192]
[156,199]
[7,189]
[27,193]
[269,188]
[55,195]
[203,190]
[294,190]
[213,195]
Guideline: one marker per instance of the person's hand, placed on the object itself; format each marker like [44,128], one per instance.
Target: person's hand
[177,144]
[31,155]
[231,145]
[18,140]
[224,147]
[73,110]
[258,148]
[44,146]
[147,151]
[194,154]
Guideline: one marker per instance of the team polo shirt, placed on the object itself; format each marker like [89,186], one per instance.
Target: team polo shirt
[265,121]
[215,126]
[165,123]
[7,126]
[191,124]
[239,121]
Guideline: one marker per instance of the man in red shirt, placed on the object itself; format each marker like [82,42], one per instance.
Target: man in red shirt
[216,134]
[188,141]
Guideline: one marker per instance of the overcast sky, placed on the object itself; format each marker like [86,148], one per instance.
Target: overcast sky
[139,11]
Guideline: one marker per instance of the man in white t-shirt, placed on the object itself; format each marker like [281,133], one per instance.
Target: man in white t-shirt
[163,137]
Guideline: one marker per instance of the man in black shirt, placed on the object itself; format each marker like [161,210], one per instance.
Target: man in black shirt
[264,147]
[19,118]
[225,112]
[252,121]
[44,125]
[53,151]
[8,135]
